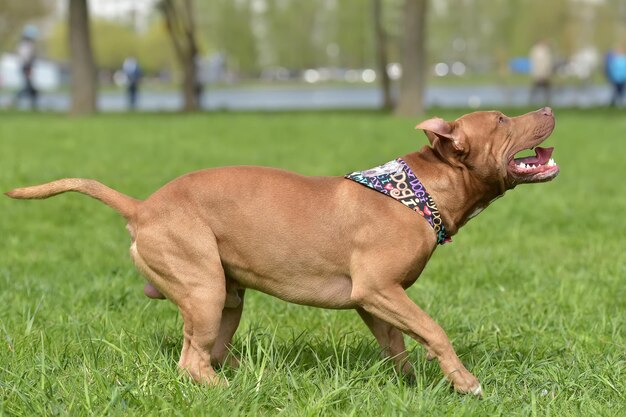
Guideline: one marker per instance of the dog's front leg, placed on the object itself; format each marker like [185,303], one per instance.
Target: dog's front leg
[394,307]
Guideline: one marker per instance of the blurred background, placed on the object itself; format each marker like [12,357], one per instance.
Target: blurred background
[169,55]
[532,294]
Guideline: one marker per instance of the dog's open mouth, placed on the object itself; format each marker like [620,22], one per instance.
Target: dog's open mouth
[538,168]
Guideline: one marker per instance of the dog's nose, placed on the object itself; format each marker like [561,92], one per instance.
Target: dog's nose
[546,111]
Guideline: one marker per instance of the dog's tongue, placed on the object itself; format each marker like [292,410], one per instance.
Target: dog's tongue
[542,156]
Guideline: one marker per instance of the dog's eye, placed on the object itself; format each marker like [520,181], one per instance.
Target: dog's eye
[501,120]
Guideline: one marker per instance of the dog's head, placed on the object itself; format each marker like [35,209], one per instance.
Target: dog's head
[485,143]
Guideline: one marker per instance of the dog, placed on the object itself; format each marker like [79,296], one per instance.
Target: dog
[206,237]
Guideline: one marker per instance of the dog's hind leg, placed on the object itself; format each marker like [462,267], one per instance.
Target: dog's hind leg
[202,312]
[221,353]
[197,286]
[390,339]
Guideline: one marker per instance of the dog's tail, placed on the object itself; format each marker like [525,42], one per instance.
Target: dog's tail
[124,204]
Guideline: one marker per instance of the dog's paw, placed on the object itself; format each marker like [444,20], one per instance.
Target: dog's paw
[465,383]
[204,375]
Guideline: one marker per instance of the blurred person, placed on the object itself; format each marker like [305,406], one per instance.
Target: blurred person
[26,53]
[607,58]
[541,65]
[585,61]
[615,71]
[133,74]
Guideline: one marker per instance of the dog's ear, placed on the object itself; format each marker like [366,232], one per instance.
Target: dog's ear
[437,129]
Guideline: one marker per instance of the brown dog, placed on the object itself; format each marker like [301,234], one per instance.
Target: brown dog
[204,238]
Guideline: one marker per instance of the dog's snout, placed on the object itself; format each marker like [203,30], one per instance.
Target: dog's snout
[546,111]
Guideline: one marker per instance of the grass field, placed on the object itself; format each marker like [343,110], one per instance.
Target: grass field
[531,292]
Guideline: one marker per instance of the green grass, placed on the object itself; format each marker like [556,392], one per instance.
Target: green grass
[531,292]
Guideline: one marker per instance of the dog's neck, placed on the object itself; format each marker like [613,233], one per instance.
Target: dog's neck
[458,195]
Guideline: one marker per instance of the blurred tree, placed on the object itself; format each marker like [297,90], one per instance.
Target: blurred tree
[291,34]
[485,34]
[393,25]
[14,15]
[112,42]
[527,26]
[619,14]
[180,22]
[381,54]
[151,53]
[353,34]
[229,28]
[82,66]
[411,100]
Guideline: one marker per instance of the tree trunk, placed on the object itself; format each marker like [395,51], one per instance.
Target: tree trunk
[411,102]
[190,85]
[179,20]
[381,54]
[82,66]
[191,82]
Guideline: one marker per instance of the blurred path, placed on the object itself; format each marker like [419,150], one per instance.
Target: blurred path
[303,98]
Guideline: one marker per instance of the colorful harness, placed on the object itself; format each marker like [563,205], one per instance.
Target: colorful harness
[396,180]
